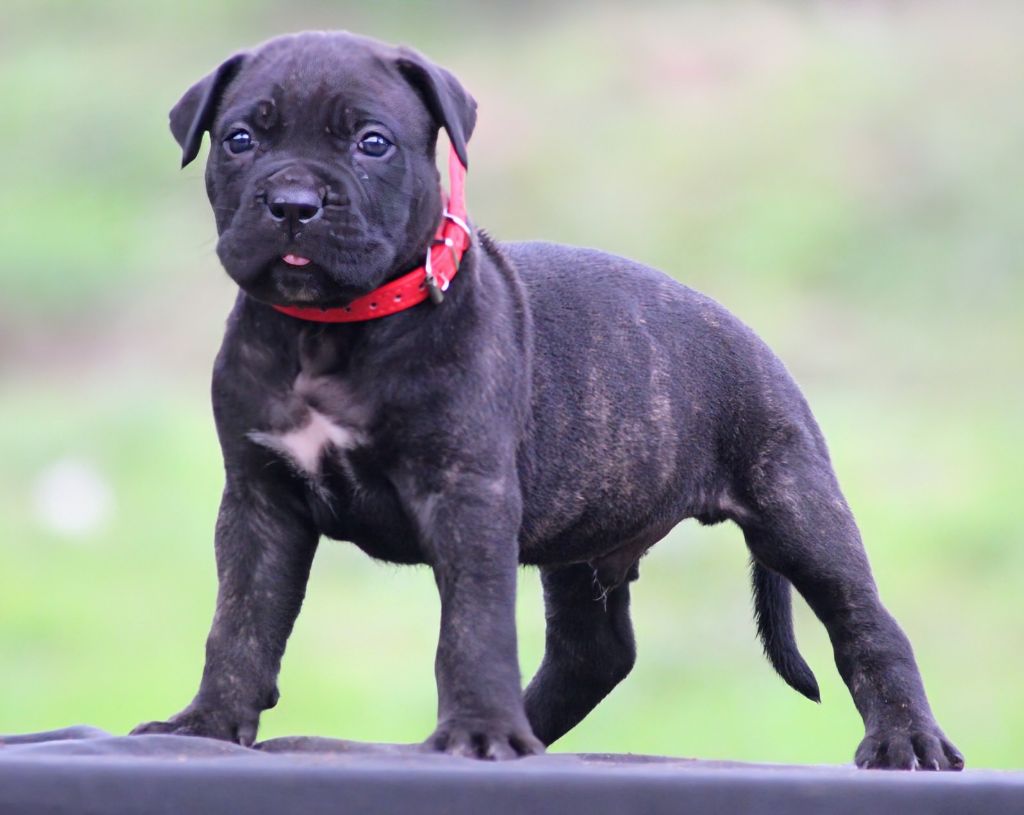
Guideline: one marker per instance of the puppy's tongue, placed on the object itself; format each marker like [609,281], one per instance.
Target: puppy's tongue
[295,260]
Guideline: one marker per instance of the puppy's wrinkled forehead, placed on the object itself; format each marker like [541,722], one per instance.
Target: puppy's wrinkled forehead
[305,82]
[314,82]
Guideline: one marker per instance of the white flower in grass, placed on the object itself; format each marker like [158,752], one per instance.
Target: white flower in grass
[71,497]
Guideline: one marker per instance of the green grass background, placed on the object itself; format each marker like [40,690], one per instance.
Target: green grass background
[845,177]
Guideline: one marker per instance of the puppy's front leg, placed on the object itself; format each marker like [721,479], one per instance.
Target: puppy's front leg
[469,530]
[265,543]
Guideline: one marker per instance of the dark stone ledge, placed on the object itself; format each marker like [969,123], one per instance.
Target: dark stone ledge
[85,770]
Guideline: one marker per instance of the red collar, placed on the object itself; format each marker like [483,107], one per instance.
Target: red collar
[429,280]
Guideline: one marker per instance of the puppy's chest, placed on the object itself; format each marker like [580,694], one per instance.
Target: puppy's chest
[317,422]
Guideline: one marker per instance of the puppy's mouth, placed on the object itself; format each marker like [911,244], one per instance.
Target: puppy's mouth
[316,273]
[297,280]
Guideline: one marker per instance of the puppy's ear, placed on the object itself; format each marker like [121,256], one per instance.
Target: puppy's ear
[194,113]
[448,102]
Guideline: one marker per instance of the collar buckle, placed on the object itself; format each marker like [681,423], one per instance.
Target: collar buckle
[434,290]
[455,219]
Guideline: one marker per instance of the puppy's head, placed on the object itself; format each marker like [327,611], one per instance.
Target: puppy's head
[321,170]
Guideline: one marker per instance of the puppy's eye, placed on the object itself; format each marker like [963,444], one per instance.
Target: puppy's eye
[240,141]
[374,144]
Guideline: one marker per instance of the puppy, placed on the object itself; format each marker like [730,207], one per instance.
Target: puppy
[393,377]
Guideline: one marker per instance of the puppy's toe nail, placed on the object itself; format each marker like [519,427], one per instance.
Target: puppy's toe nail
[527,745]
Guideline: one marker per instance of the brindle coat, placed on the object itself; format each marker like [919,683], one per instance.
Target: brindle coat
[562,407]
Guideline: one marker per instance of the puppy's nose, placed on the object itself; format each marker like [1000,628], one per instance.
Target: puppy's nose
[296,205]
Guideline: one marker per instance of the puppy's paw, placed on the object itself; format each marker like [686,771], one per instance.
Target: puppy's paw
[492,741]
[922,747]
[208,723]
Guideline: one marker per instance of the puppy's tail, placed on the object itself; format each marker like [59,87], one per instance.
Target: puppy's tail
[773,612]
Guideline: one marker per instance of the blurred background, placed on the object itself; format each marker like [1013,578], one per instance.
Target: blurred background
[846,177]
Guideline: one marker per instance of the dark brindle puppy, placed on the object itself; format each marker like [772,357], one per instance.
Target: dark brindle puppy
[562,408]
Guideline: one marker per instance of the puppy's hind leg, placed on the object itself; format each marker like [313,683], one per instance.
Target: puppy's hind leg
[801,529]
[589,649]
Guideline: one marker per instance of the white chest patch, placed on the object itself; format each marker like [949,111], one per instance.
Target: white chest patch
[306,445]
